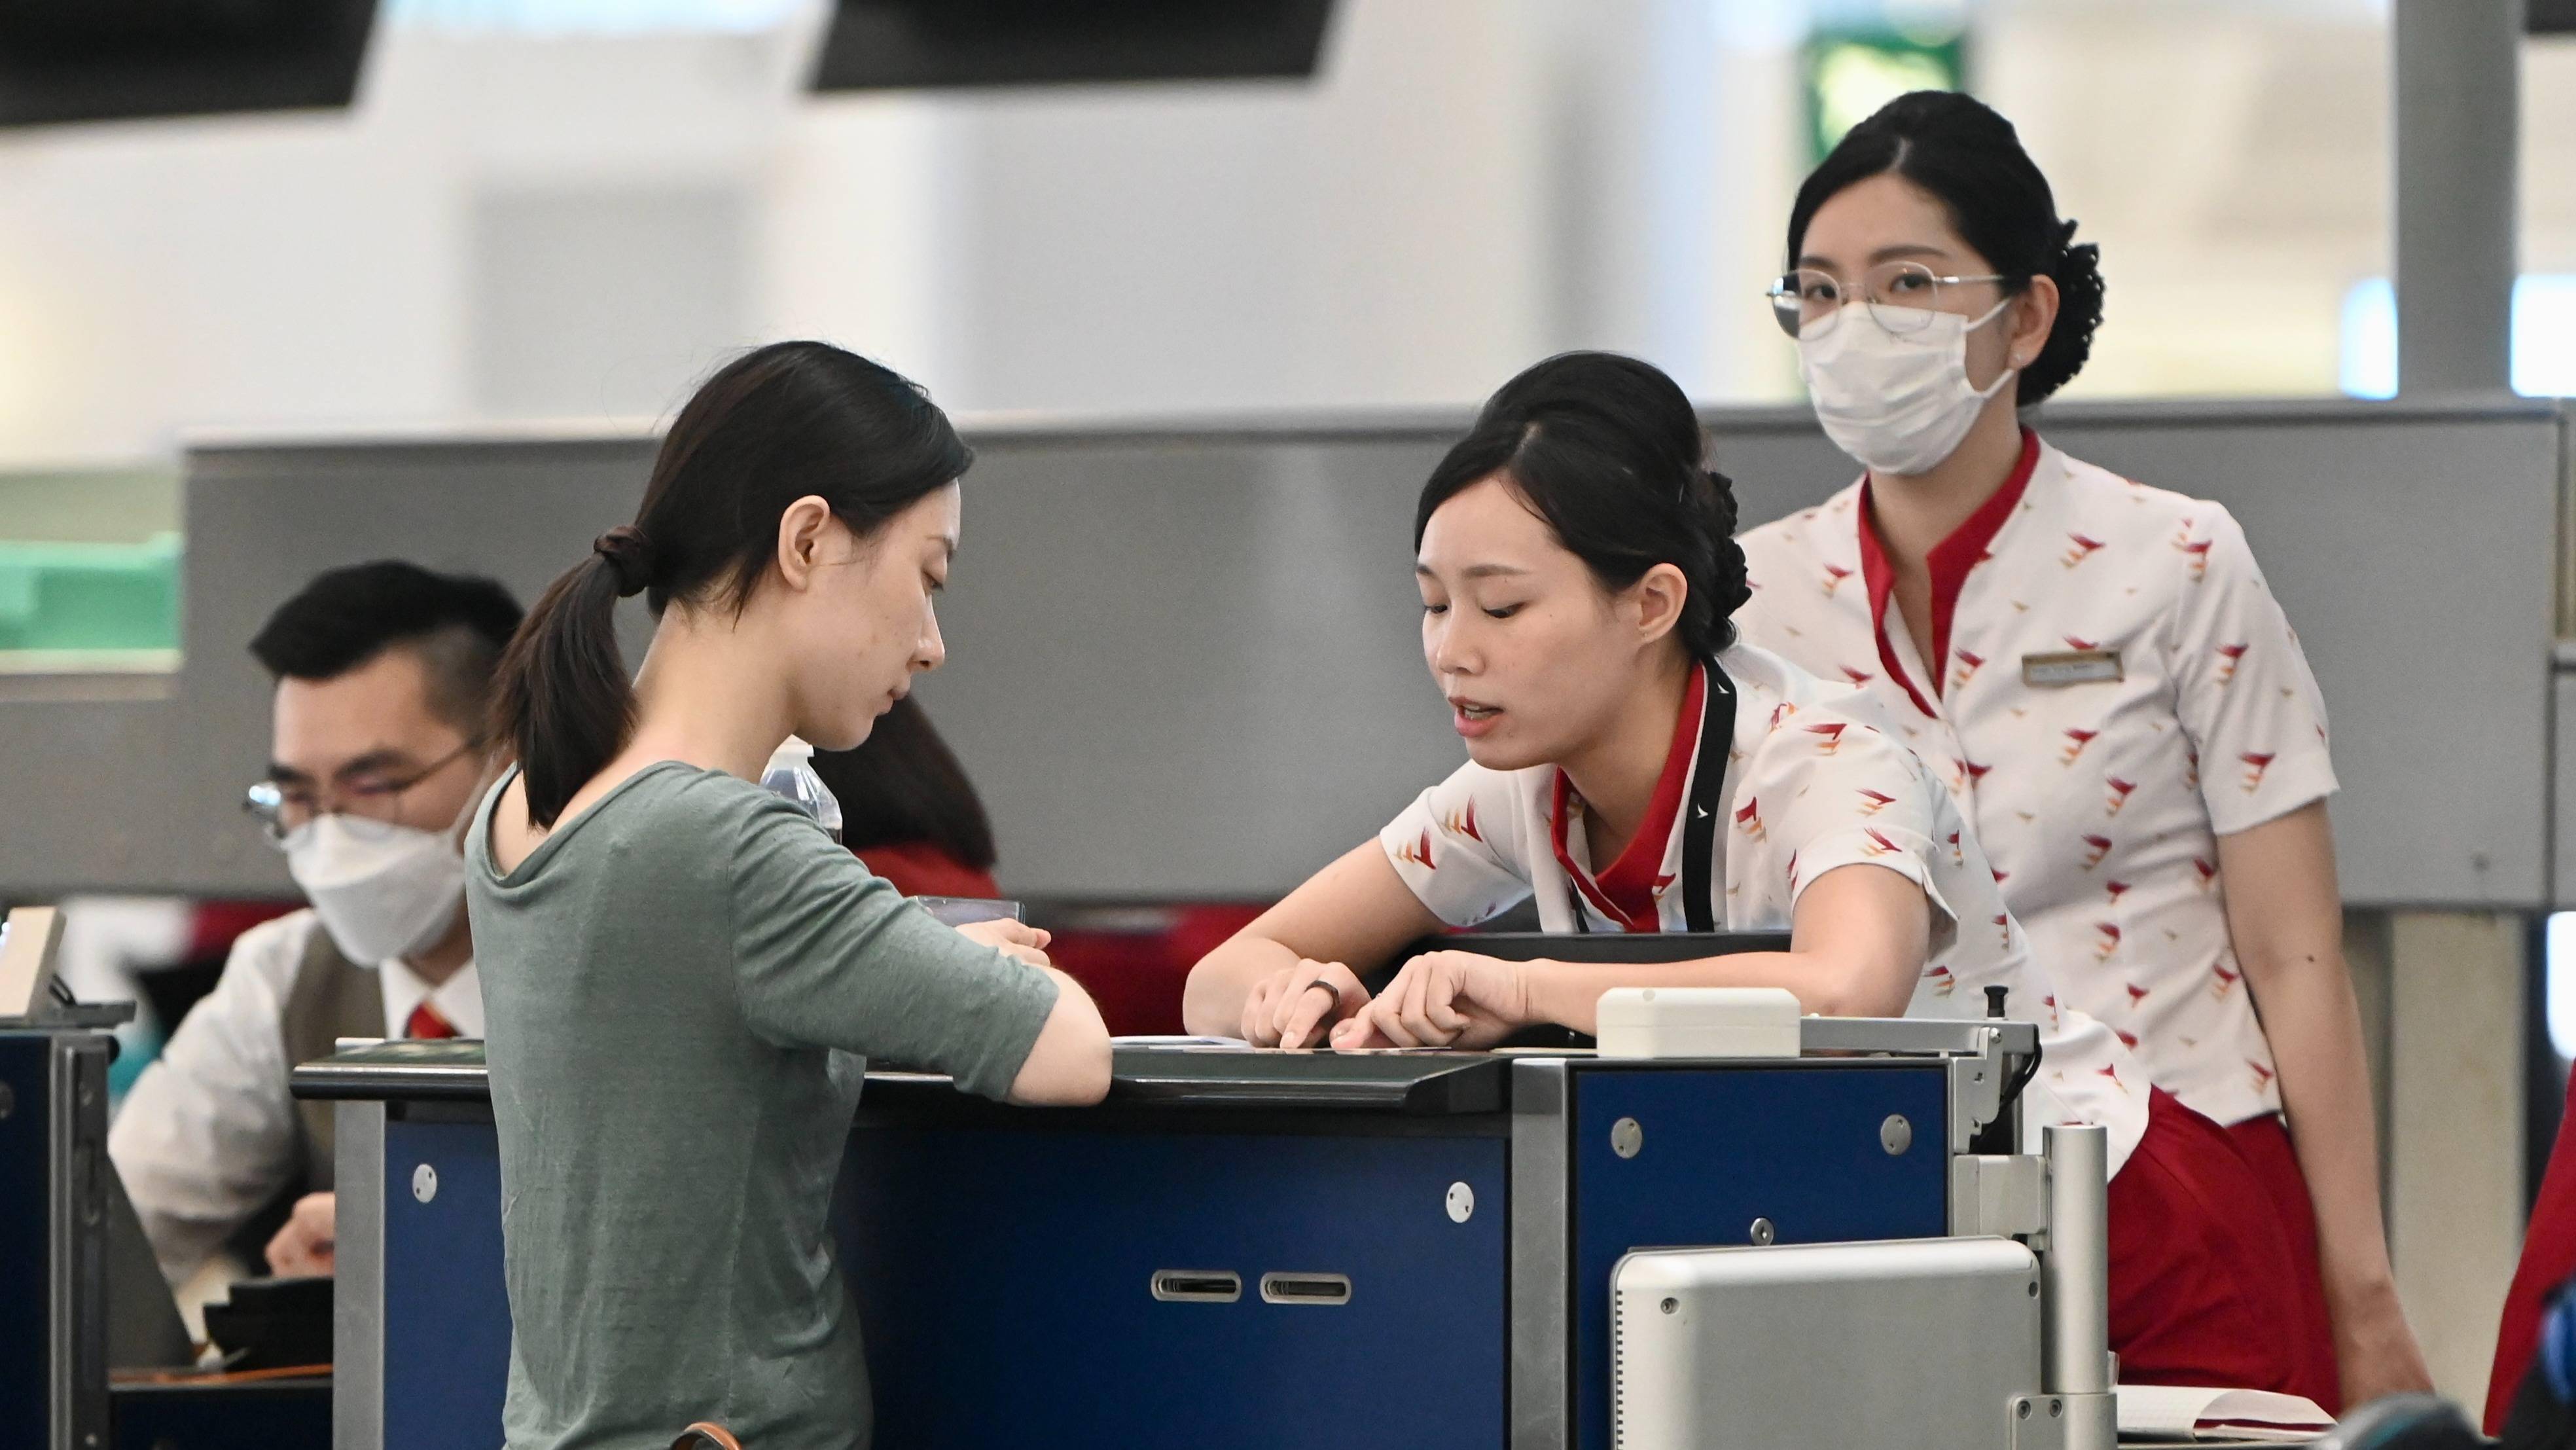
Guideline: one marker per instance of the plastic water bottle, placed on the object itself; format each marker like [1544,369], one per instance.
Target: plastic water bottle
[791,774]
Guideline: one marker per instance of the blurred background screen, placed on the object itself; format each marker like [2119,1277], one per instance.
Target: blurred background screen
[90,60]
[881,44]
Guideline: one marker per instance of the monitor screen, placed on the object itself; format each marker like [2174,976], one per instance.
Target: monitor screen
[887,44]
[103,60]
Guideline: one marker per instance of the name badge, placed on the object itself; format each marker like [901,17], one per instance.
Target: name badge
[2073,667]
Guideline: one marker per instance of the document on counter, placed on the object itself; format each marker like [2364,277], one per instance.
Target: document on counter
[1151,1039]
[2180,1414]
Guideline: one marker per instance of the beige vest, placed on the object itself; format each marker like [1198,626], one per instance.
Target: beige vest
[332,999]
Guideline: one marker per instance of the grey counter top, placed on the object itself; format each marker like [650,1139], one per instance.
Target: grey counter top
[1410,1083]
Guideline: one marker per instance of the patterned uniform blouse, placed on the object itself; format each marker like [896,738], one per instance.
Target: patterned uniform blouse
[2116,690]
[1816,780]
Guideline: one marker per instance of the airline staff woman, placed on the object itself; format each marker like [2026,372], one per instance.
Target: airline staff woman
[1634,768]
[2098,673]
[678,966]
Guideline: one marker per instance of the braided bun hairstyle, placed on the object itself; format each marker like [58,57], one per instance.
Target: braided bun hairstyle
[1608,451]
[1963,153]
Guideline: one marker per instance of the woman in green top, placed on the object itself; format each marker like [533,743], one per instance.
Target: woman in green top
[682,973]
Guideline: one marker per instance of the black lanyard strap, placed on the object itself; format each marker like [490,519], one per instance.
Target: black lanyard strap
[1706,809]
[1701,814]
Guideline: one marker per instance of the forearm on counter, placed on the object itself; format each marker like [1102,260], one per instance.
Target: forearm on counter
[1068,1065]
[1212,1000]
[1569,993]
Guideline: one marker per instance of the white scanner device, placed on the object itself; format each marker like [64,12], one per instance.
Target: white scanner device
[1698,1022]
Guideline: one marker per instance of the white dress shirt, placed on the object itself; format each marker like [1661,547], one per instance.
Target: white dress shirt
[208,1136]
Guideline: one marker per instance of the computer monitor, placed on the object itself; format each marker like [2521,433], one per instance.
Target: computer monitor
[895,44]
[104,60]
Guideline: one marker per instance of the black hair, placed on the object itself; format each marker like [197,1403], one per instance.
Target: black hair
[777,424]
[460,624]
[1967,156]
[904,784]
[1608,451]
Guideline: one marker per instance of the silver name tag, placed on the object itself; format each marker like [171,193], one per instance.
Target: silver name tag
[2074,667]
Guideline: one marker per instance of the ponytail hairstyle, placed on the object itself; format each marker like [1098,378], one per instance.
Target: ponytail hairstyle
[1607,451]
[777,424]
[1959,150]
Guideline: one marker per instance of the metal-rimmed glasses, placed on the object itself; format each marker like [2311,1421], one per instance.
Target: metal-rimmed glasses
[1901,297]
[370,805]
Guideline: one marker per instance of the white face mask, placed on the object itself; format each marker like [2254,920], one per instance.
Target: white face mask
[1900,403]
[382,891]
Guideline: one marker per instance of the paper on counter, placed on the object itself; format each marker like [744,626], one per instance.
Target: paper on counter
[1150,1039]
[2190,1415]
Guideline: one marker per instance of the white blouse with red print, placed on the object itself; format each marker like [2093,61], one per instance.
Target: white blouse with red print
[2117,689]
[1816,780]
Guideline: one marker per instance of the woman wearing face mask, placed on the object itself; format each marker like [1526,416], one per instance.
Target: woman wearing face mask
[1633,768]
[679,966]
[2098,673]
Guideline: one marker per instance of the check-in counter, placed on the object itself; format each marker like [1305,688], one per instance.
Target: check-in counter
[1311,1248]
[53,1248]
[1276,559]
[91,1353]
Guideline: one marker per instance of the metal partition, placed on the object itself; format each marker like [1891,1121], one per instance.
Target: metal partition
[1184,658]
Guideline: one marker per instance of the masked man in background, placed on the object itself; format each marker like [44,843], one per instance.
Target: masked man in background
[377,755]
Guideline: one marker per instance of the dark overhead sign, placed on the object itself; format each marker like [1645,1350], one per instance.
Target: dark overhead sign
[895,44]
[105,60]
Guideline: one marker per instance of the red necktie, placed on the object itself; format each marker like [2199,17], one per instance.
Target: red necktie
[426,1023]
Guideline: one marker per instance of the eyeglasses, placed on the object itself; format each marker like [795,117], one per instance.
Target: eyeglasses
[1901,296]
[370,803]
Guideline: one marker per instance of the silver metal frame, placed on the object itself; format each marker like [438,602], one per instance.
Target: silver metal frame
[358,1298]
[2076,1282]
[76,1264]
[1979,1053]
[1918,1036]
[1539,1279]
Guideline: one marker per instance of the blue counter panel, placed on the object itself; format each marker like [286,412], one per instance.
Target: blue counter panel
[447,1313]
[1004,1273]
[1004,1281]
[1723,1147]
[25,1295]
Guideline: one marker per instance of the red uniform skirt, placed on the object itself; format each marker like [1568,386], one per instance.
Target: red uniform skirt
[2548,1260]
[2205,1289]
[2265,1144]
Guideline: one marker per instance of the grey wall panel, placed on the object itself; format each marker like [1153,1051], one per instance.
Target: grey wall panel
[2562,795]
[1184,661]
[1193,671]
[2419,564]
[2415,551]
[144,795]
